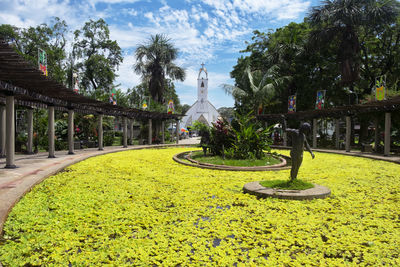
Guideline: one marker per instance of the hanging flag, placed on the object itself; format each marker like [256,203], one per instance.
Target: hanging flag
[292,104]
[144,105]
[75,82]
[42,61]
[260,109]
[380,88]
[320,103]
[171,108]
[113,97]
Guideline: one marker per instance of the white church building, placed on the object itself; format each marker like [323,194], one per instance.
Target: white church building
[202,110]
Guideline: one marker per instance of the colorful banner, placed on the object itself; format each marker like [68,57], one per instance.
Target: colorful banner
[380,88]
[292,104]
[42,61]
[171,108]
[113,97]
[75,82]
[320,103]
[144,105]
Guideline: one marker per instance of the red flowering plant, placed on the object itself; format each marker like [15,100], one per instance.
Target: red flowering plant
[222,137]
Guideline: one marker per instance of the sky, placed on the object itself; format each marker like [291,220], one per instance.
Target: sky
[205,31]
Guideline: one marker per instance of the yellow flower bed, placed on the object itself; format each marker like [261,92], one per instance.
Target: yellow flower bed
[142,208]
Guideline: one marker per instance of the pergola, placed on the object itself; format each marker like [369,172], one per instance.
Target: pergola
[373,107]
[24,84]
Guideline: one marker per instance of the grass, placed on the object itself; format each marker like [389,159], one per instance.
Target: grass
[287,184]
[217,160]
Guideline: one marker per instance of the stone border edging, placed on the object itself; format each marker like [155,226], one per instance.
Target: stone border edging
[194,163]
[318,191]
[33,179]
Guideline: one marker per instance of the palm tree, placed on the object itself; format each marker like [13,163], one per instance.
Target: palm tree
[343,21]
[258,88]
[154,61]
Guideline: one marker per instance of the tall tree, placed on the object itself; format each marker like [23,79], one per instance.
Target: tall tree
[257,89]
[98,57]
[155,62]
[343,21]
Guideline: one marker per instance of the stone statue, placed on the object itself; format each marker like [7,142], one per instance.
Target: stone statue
[298,141]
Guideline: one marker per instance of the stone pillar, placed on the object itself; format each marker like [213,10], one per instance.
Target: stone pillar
[100,132]
[284,135]
[163,132]
[149,140]
[51,131]
[177,131]
[70,131]
[29,146]
[337,132]
[2,131]
[10,132]
[125,132]
[314,143]
[377,141]
[388,123]
[131,132]
[348,133]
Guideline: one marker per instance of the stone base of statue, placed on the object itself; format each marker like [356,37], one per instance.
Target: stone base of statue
[318,191]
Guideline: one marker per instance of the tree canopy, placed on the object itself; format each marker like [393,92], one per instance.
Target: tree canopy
[155,62]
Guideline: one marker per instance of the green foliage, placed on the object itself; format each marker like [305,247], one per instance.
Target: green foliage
[296,184]
[125,209]
[155,62]
[200,127]
[108,138]
[98,57]
[250,139]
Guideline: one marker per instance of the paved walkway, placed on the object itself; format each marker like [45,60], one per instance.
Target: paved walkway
[32,169]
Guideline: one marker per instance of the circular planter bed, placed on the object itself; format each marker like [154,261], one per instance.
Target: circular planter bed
[318,191]
[185,158]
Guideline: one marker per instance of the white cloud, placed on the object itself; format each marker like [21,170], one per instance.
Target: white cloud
[126,76]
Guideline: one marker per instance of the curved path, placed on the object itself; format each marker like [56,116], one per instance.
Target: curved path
[32,169]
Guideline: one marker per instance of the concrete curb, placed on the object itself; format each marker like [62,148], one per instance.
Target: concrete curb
[194,163]
[318,191]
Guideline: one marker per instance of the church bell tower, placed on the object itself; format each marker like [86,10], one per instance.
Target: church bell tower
[202,88]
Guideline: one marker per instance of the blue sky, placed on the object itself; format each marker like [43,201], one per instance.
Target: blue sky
[209,31]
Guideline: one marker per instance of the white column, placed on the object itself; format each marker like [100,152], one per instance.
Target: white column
[178,128]
[125,132]
[348,133]
[388,123]
[100,132]
[70,131]
[2,131]
[10,132]
[51,131]
[149,140]
[337,133]
[163,132]
[315,121]
[30,132]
